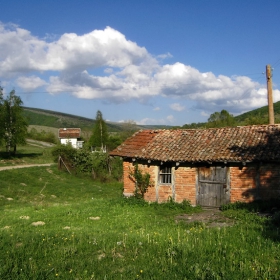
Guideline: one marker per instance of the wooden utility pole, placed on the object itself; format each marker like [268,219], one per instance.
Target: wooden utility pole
[269,94]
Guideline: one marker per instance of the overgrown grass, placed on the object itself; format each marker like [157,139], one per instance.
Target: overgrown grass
[27,154]
[57,226]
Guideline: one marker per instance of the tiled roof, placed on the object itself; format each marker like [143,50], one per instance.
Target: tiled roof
[229,144]
[69,133]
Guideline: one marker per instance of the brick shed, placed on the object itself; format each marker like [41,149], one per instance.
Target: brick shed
[208,167]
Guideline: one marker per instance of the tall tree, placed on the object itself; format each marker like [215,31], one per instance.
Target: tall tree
[221,119]
[13,122]
[2,130]
[99,136]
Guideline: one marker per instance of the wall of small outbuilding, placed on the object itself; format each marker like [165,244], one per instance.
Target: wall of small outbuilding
[247,183]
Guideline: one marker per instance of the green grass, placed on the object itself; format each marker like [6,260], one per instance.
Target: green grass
[27,154]
[88,231]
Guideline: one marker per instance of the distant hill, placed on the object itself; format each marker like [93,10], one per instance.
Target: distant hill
[257,116]
[48,118]
[261,113]
[42,117]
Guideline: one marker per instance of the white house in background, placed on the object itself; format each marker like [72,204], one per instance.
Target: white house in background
[70,135]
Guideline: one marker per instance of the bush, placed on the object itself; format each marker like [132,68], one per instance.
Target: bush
[67,152]
[98,164]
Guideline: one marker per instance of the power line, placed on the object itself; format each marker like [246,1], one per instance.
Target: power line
[277,63]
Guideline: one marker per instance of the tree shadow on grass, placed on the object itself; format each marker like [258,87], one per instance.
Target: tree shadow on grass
[18,155]
[268,209]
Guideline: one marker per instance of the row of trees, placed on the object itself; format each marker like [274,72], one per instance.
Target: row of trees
[224,119]
[13,126]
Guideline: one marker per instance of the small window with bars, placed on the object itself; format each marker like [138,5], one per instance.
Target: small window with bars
[165,175]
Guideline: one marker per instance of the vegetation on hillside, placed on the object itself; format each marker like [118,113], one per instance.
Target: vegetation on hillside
[116,133]
[42,135]
[255,117]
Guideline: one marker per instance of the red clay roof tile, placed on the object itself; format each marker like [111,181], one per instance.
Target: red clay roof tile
[232,144]
[69,133]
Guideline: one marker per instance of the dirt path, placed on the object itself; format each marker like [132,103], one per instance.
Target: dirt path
[209,217]
[23,166]
[39,143]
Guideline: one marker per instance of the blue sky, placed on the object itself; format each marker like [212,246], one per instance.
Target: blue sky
[152,62]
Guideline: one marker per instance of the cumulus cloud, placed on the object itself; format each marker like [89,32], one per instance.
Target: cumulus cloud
[73,62]
[164,56]
[30,83]
[23,52]
[177,107]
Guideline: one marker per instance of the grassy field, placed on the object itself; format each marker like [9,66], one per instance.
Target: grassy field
[27,154]
[54,225]
[41,128]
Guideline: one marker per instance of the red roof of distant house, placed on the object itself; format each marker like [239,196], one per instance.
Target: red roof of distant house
[229,144]
[69,133]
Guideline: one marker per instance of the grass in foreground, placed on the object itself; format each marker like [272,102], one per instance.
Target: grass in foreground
[56,226]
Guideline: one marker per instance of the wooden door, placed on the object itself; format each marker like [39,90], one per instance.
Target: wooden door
[212,186]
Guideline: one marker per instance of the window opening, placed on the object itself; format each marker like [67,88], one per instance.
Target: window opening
[165,174]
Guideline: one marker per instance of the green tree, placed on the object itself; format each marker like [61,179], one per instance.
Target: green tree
[256,119]
[129,128]
[99,136]
[221,119]
[2,130]
[13,122]
[113,142]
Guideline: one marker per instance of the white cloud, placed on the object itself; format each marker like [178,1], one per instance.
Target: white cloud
[164,56]
[73,62]
[156,109]
[177,107]
[22,52]
[30,83]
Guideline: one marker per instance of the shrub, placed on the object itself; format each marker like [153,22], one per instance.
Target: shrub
[142,181]
[98,164]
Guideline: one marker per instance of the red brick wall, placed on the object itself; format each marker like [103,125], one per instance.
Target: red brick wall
[185,184]
[251,183]
[246,184]
[269,181]
[242,183]
[129,184]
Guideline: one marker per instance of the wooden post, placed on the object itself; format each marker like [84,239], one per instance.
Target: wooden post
[269,95]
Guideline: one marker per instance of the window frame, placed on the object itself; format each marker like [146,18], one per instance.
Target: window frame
[165,174]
